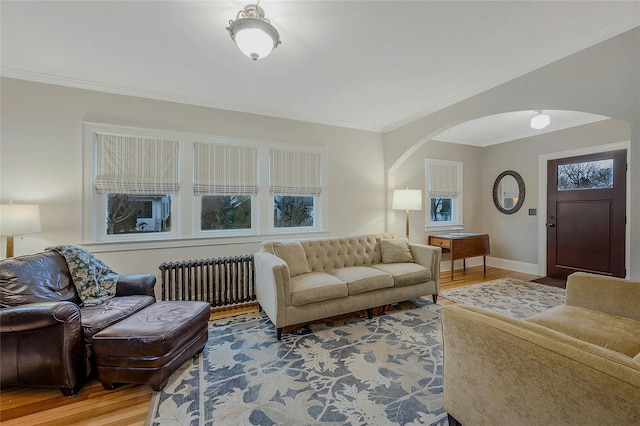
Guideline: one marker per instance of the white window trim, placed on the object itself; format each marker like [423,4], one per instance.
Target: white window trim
[185,205]
[457,223]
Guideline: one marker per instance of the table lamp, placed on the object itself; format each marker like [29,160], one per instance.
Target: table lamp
[17,219]
[407,199]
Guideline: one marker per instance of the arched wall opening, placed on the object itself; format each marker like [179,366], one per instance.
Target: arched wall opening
[518,241]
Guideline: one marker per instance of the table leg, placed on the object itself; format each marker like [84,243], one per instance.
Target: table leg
[452,266]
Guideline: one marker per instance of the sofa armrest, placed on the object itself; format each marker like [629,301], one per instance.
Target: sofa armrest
[273,286]
[42,344]
[606,294]
[537,376]
[39,315]
[429,257]
[140,284]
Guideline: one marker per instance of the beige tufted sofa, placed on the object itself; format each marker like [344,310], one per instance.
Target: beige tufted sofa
[575,364]
[298,281]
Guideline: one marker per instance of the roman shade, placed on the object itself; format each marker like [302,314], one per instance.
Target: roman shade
[224,170]
[443,181]
[133,165]
[294,173]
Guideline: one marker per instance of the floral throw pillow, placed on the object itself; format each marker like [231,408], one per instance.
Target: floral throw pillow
[94,281]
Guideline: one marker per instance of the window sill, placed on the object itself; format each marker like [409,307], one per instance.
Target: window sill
[116,246]
[444,228]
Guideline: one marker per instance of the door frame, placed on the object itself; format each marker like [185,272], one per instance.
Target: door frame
[542,197]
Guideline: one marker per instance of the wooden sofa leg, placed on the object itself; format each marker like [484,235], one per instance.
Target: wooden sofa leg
[434,296]
[453,421]
[370,313]
[279,330]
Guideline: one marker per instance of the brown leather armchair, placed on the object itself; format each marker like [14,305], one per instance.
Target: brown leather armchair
[45,333]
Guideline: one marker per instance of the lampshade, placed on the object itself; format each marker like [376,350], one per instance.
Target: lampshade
[407,199]
[16,219]
[540,121]
[253,33]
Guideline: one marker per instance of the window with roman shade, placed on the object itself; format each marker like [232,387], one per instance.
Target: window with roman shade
[224,170]
[134,165]
[444,189]
[294,173]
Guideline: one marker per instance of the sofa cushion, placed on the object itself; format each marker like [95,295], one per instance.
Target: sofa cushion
[599,328]
[316,287]
[292,253]
[326,255]
[405,273]
[98,317]
[395,251]
[36,278]
[360,279]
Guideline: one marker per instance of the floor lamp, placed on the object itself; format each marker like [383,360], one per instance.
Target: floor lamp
[17,219]
[407,199]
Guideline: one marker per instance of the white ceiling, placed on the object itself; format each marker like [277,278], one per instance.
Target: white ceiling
[372,65]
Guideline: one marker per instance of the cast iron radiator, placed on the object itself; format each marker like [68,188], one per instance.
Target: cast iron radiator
[219,281]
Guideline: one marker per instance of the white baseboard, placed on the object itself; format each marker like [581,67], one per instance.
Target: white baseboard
[511,265]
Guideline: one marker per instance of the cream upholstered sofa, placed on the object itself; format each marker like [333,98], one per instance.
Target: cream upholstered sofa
[298,281]
[575,364]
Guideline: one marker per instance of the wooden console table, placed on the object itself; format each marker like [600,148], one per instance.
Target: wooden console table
[462,245]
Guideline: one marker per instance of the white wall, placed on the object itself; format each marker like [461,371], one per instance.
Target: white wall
[41,162]
[602,80]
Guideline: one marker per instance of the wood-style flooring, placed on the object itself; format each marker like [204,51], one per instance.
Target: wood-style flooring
[128,404]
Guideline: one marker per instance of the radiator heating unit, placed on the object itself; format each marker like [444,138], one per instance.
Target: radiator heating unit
[220,281]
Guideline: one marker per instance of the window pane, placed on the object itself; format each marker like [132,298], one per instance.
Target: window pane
[135,214]
[441,209]
[588,175]
[219,212]
[290,212]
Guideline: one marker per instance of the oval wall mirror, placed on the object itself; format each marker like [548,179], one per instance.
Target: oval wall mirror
[508,192]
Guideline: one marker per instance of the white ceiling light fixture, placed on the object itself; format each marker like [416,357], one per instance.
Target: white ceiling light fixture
[253,33]
[540,121]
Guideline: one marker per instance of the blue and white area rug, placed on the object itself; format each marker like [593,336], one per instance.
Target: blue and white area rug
[354,371]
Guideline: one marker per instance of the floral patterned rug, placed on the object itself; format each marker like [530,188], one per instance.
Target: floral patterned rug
[353,371]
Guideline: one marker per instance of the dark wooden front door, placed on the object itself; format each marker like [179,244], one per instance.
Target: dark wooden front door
[586,208]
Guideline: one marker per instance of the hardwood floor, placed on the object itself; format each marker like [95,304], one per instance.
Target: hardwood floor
[128,404]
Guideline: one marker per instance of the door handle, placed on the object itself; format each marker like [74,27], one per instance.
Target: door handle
[551,225]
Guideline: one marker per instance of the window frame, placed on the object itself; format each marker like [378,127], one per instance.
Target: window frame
[101,232]
[197,222]
[457,222]
[185,205]
[317,217]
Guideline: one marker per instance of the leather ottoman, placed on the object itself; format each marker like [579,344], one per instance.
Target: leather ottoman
[150,345]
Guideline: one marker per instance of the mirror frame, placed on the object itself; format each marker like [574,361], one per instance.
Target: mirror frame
[521,192]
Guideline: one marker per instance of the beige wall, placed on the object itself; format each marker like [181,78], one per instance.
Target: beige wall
[602,80]
[412,174]
[41,162]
